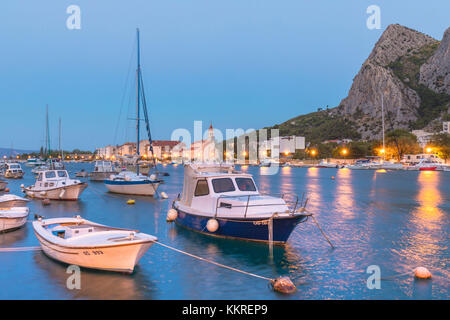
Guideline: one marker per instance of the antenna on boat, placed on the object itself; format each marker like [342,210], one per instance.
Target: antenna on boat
[138,98]
[382,117]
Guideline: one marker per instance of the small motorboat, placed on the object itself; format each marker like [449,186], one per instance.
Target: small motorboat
[326,164]
[13,170]
[426,165]
[128,182]
[55,185]
[13,218]
[91,245]
[11,200]
[3,184]
[102,170]
[81,174]
[34,162]
[360,164]
[219,201]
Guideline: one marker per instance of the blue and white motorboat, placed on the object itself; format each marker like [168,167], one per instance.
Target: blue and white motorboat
[219,201]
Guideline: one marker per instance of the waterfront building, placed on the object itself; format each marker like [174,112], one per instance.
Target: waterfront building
[204,150]
[423,137]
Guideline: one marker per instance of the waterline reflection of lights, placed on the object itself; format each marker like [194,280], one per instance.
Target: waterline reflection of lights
[344,193]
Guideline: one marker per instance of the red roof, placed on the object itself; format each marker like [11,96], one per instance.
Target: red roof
[163,143]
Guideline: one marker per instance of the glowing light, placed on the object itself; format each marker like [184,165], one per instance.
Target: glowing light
[313,152]
[344,152]
[382,151]
[429,149]
[286,153]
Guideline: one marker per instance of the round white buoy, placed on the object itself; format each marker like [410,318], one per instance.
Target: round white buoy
[163,195]
[422,273]
[172,214]
[22,186]
[212,225]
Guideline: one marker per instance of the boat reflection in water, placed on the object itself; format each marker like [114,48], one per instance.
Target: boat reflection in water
[96,284]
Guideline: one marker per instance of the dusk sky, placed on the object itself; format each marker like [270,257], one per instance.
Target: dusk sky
[235,63]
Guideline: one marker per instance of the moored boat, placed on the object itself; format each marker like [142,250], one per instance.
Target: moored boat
[11,200]
[3,184]
[13,170]
[55,185]
[127,182]
[219,201]
[130,182]
[102,170]
[13,218]
[91,245]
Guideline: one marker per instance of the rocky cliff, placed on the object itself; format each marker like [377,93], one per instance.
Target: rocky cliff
[408,71]
[435,73]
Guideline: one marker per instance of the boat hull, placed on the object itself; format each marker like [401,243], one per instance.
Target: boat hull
[12,223]
[142,188]
[119,258]
[14,175]
[71,192]
[13,203]
[255,229]
[100,176]
[427,168]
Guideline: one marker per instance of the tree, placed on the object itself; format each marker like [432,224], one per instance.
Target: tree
[441,144]
[402,142]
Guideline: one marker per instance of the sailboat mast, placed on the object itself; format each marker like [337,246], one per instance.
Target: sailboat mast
[382,117]
[59,140]
[47,135]
[138,98]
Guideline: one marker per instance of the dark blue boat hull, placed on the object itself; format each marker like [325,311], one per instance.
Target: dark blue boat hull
[248,229]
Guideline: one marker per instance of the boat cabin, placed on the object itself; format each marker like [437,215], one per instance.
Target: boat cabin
[13,167]
[53,179]
[218,189]
[103,166]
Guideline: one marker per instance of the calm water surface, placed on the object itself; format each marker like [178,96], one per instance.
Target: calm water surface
[396,220]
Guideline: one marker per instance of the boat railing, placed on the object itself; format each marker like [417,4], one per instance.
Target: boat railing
[292,201]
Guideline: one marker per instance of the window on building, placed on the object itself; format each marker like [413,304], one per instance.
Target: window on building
[223,185]
[202,188]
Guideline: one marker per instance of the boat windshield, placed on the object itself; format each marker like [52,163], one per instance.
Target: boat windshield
[62,174]
[50,174]
[245,184]
[223,185]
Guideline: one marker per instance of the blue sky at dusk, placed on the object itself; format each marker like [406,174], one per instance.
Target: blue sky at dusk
[238,63]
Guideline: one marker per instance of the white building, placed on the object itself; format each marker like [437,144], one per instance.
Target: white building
[423,137]
[106,152]
[446,126]
[204,150]
[283,146]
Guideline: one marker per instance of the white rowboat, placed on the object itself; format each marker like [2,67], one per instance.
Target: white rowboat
[87,244]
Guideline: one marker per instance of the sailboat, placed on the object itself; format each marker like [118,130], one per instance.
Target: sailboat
[129,182]
[383,164]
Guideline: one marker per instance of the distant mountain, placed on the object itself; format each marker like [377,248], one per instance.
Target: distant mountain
[409,69]
[15,152]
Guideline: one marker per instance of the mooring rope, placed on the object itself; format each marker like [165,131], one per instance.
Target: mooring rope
[18,249]
[212,262]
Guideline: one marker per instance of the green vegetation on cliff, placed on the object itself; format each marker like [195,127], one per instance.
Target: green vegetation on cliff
[407,69]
